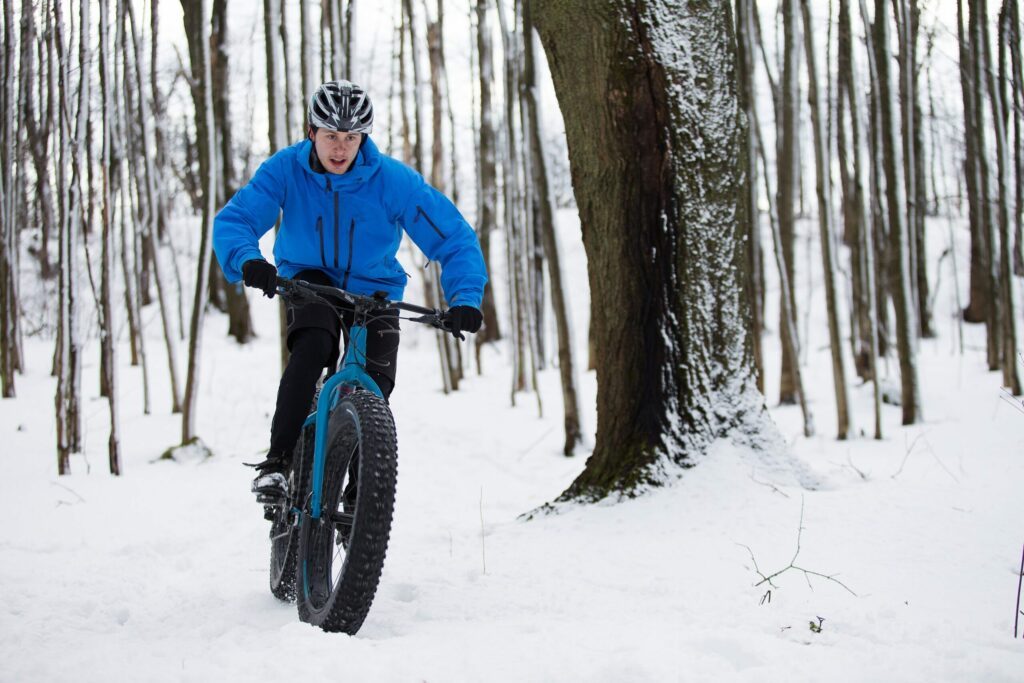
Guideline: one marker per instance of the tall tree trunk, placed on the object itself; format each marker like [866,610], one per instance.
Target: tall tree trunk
[977,303]
[906,326]
[788,159]
[543,208]
[307,59]
[450,365]
[108,351]
[150,219]
[487,176]
[67,399]
[197,30]
[856,212]
[8,220]
[659,209]
[1012,39]
[747,96]
[828,246]
[1007,289]
[236,303]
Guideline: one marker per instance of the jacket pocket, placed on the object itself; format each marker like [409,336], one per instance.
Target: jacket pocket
[421,212]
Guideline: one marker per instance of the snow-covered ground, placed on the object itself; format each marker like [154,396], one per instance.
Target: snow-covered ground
[161,574]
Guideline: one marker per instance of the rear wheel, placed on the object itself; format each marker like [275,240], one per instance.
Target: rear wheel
[342,553]
[284,522]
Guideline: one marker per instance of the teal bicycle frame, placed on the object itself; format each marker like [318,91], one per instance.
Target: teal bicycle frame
[352,374]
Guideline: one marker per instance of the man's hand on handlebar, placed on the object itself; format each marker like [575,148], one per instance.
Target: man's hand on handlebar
[466,318]
[259,274]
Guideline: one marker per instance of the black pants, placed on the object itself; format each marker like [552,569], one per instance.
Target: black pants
[314,332]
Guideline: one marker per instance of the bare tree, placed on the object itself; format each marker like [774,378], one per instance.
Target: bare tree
[487,174]
[828,247]
[106,305]
[543,214]
[236,304]
[196,13]
[1008,293]
[788,160]
[747,95]
[855,213]
[150,217]
[68,396]
[8,222]
[906,327]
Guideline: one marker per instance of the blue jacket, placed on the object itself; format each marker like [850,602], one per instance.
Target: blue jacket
[350,225]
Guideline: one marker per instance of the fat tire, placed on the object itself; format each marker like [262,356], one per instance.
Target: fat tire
[361,428]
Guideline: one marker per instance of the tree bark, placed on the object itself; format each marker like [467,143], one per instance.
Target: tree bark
[788,159]
[196,13]
[656,144]
[543,208]
[828,246]
[487,176]
[747,96]
[906,327]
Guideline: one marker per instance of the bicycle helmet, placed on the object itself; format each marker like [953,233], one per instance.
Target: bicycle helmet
[342,106]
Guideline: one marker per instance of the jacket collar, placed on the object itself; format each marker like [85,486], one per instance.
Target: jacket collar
[367,163]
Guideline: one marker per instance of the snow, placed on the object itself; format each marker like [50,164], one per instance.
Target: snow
[161,574]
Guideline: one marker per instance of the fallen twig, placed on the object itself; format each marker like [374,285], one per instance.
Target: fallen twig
[767,578]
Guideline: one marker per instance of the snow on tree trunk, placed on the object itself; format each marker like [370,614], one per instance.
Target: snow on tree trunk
[656,147]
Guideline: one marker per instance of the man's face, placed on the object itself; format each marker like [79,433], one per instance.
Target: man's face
[336,150]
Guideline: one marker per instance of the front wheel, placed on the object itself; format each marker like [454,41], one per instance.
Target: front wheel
[341,554]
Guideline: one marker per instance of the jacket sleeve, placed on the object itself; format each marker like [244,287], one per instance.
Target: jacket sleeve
[440,231]
[253,210]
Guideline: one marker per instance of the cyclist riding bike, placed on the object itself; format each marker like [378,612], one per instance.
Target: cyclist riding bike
[343,206]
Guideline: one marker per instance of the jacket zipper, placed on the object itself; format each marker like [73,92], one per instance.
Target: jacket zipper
[336,230]
[320,231]
[348,266]
[421,212]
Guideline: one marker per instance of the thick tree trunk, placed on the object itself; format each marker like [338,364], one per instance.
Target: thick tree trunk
[656,143]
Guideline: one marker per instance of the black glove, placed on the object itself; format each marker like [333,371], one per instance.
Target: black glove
[259,274]
[464,318]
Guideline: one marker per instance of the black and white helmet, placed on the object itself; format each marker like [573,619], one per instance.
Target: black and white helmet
[342,106]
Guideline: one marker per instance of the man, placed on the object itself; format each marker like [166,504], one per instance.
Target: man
[345,206]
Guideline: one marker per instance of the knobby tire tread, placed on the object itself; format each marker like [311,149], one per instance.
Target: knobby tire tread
[365,417]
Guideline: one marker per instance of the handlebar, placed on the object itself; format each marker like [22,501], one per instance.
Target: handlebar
[301,292]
